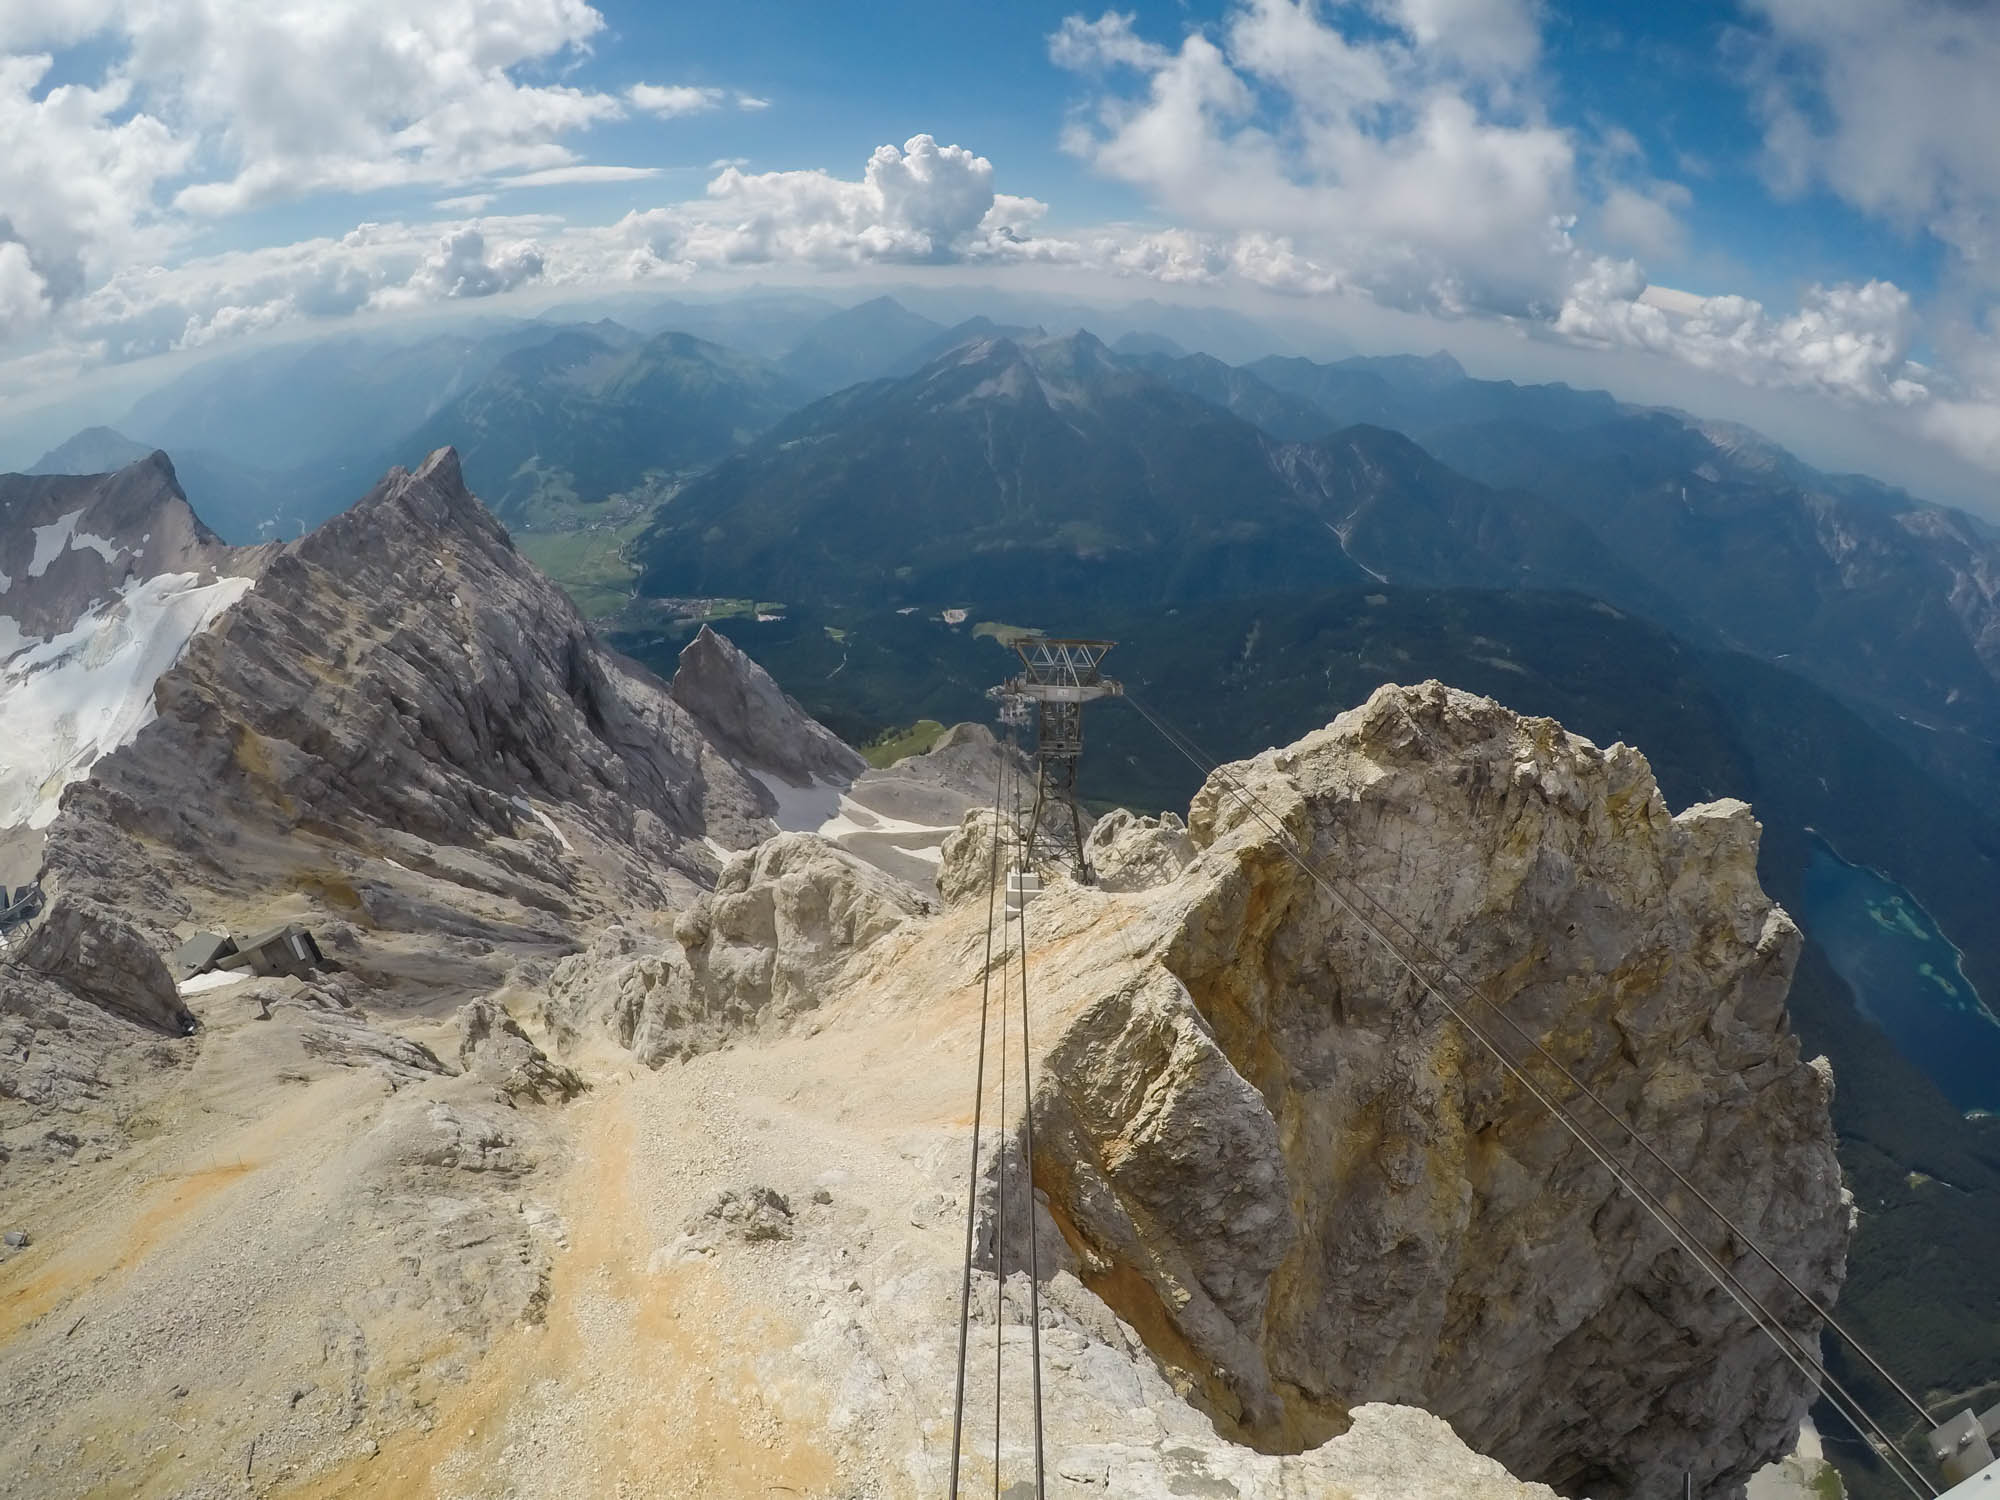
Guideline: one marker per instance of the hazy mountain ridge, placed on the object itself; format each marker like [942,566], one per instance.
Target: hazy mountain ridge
[1051,463]
[587,416]
[1068,468]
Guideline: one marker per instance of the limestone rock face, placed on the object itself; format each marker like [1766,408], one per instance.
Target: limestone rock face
[492,1046]
[763,946]
[967,870]
[402,683]
[1133,853]
[781,918]
[751,717]
[92,952]
[1269,1147]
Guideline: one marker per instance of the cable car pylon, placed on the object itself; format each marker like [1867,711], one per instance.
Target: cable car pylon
[1058,676]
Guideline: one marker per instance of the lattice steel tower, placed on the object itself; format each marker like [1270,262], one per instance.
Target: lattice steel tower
[1058,677]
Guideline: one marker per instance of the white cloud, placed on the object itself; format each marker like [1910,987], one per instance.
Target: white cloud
[670,100]
[77,177]
[924,202]
[1893,105]
[24,295]
[1846,341]
[581,172]
[1484,36]
[292,97]
[207,107]
[465,203]
[751,102]
[152,310]
[462,267]
[1646,218]
[1403,159]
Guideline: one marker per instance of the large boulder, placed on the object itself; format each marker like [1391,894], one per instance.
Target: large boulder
[94,953]
[1274,1152]
[493,1047]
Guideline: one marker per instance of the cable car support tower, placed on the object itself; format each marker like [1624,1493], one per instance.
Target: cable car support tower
[1058,676]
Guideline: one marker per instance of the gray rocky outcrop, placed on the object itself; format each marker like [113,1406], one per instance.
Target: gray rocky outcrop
[493,1047]
[402,684]
[91,951]
[754,719]
[70,540]
[764,946]
[1271,1150]
[1130,852]
[970,866]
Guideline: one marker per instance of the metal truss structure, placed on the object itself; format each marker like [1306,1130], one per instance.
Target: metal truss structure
[1058,676]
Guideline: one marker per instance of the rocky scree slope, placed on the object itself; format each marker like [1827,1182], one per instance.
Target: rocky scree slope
[1300,1186]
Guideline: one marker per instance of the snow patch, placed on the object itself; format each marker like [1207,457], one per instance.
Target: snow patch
[6,582]
[11,639]
[541,817]
[104,547]
[801,809]
[81,695]
[214,979]
[50,540]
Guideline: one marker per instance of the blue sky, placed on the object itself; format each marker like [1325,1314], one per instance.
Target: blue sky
[980,75]
[1793,196]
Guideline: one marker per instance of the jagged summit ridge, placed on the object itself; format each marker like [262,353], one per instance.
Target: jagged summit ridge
[403,680]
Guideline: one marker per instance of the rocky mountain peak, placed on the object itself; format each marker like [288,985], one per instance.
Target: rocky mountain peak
[754,719]
[1264,1142]
[94,450]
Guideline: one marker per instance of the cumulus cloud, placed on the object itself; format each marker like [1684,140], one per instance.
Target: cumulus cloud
[201,109]
[1849,341]
[77,178]
[922,202]
[152,310]
[461,266]
[1646,218]
[751,102]
[1402,156]
[24,295]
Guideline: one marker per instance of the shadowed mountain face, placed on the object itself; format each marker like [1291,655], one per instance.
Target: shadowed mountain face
[1887,600]
[243,505]
[590,414]
[1050,467]
[860,343]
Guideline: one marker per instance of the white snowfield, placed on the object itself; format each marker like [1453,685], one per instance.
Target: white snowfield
[67,701]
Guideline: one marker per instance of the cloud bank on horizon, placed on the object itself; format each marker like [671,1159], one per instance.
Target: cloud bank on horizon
[1406,152]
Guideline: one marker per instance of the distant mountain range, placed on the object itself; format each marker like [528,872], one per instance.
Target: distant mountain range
[1049,468]
[949,457]
[590,412]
